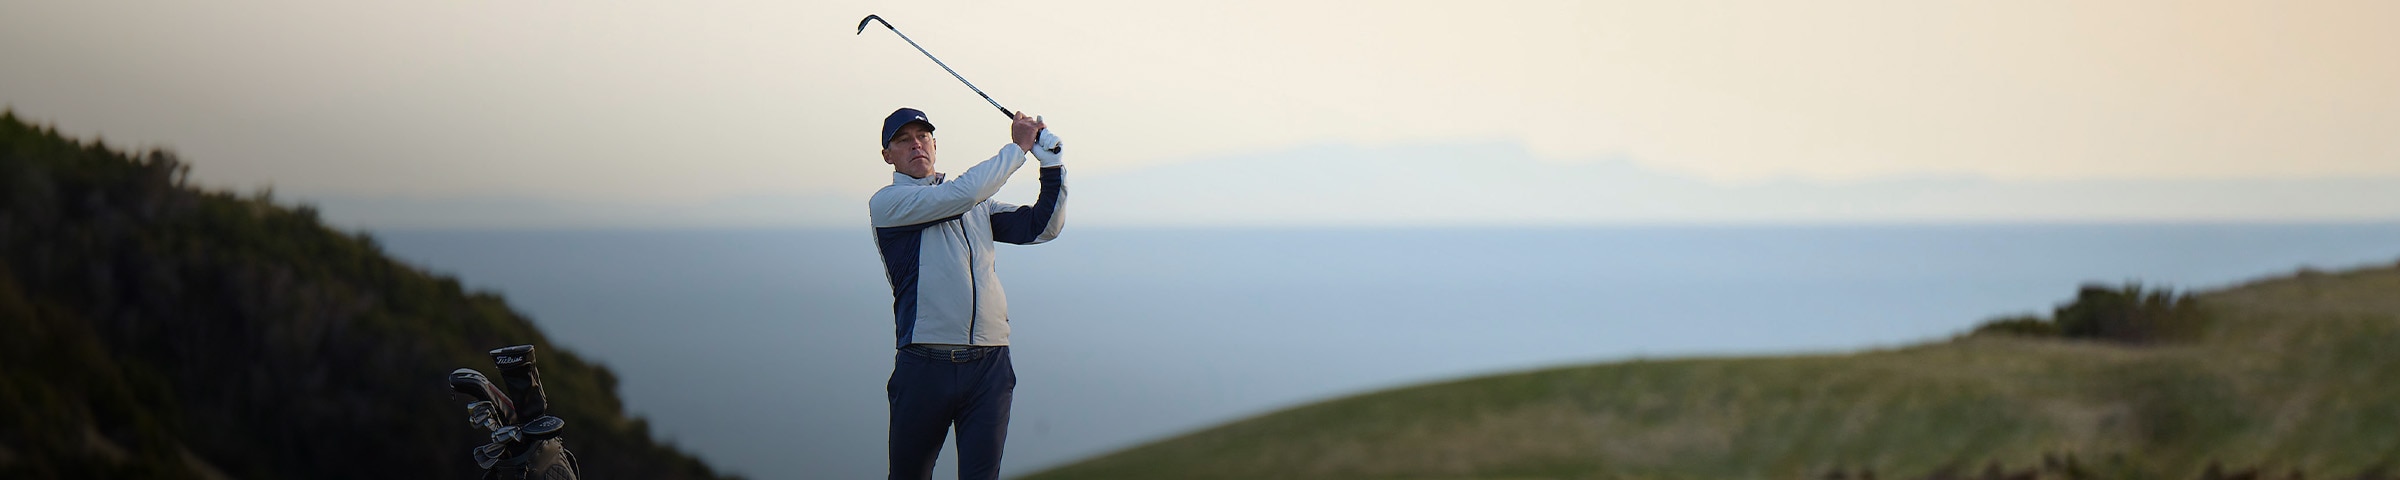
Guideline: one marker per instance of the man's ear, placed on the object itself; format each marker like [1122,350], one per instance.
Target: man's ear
[885,154]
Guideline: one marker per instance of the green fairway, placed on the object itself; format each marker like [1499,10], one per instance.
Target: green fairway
[2293,373]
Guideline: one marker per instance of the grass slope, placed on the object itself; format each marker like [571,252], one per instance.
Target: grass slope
[2295,374]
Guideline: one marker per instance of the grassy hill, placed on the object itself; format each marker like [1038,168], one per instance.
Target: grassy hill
[2286,377]
[153,329]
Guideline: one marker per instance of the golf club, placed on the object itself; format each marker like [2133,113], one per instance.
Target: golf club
[541,429]
[525,443]
[473,384]
[862,29]
[484,415]
[524,381]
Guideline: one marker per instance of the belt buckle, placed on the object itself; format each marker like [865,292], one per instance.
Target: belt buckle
[954,355]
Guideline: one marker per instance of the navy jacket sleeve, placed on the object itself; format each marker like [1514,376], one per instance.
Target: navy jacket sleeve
[1040,222]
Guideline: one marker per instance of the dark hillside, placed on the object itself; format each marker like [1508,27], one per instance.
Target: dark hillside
[153,329]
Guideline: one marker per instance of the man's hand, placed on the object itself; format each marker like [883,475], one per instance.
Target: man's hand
[1047,148]
[1024,131]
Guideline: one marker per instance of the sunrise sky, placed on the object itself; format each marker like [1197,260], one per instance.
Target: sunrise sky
[759,113]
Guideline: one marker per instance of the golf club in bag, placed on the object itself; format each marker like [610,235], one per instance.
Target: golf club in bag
[1004,111]
[525,441]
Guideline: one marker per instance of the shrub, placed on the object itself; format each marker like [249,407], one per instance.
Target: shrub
[2018,325]
[2128,314]
[2125,314]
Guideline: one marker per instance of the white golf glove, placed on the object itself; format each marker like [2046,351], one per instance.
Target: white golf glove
[1047,148]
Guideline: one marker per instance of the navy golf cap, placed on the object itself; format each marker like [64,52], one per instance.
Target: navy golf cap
[901,118]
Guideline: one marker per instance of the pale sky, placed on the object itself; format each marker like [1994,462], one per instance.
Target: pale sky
[691,105]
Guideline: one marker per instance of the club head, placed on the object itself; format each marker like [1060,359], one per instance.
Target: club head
[490,454]
[512,357]
[467,381]
[862,24]
[524,382]
[484,415]
[508,435]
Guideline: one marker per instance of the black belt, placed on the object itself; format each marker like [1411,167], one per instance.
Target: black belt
[952,353]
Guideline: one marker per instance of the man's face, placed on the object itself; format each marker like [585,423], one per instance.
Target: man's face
[911,151]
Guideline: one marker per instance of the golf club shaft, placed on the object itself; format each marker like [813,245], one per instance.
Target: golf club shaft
[1004,111]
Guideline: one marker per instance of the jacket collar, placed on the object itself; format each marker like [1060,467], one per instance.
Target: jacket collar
[905,180]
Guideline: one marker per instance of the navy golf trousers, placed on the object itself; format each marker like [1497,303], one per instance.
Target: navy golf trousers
[932,390]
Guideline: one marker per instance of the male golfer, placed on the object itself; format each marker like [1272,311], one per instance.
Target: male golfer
[936,237]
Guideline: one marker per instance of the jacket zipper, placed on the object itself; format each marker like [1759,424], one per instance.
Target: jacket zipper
[974,298]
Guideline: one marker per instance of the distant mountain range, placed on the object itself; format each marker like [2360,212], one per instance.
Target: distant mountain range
[1456,184]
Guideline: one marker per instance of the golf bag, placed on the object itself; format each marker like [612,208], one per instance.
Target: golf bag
[525,441]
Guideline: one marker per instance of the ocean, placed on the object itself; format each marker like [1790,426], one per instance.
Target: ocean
[765,351]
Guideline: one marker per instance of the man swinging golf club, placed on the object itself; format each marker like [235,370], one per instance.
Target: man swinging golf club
[935,233]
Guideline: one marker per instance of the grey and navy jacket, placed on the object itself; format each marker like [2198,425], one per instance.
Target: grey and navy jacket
[936,238]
